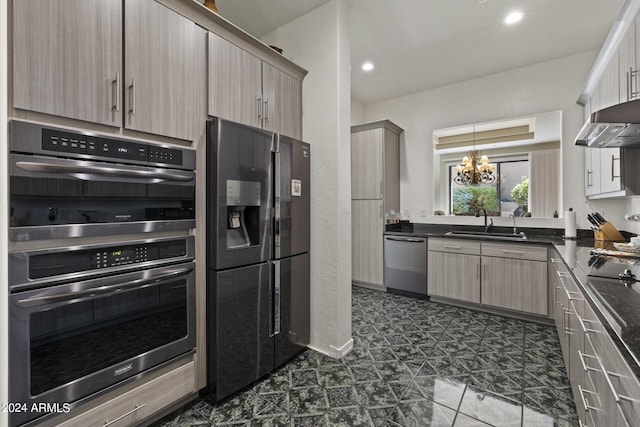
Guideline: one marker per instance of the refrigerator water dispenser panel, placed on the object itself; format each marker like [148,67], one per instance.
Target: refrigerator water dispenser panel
[243,213]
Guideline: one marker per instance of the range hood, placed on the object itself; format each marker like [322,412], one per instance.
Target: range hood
[615,126]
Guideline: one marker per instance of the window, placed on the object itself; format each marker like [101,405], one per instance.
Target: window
[508,195]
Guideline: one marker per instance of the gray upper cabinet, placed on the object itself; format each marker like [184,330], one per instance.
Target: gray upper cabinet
[282,102]
[235,83]
[245,89]
[67,58]
[164,71]
[367,164]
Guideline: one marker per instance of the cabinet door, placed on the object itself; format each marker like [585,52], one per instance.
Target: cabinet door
[515,284]
[67,58]
[367,241]
[610,170]
[367,169]
[592,171]
[282,102]
[627,58]
[453,275]
[610,84]
[164,71]
[235,83]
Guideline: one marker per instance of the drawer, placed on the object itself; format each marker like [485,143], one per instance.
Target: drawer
[509,250]
[619,377]
[458,246]
[141,402]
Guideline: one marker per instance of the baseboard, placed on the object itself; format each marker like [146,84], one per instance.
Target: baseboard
[336,352]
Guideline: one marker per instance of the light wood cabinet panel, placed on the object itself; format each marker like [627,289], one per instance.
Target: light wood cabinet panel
[515,284]
[509,250]
[67,58]
[453,275]
[235,82]
[367,230]
[610,84]
[627,61]
[282,102]
[456,246]
[367,168]
[164,71]
[134,406]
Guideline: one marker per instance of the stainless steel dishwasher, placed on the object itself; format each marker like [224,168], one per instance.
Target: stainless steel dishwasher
[405,265]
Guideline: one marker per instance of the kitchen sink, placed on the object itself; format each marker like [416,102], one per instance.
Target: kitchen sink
[487,235]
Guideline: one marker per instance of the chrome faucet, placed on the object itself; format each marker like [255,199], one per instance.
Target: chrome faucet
[486,227]
[515,230]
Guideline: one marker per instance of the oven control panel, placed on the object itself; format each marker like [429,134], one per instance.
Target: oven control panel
[78,143]
[73,261]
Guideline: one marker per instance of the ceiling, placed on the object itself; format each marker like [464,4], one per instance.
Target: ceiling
[422,44]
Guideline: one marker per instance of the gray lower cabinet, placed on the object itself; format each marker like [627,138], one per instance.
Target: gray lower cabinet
[606,390]
[502,275]
[367,242]
[453,269]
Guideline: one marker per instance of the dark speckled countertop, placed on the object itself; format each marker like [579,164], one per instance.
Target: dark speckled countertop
[617,305]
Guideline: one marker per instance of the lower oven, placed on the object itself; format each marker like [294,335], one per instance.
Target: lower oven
[87,318]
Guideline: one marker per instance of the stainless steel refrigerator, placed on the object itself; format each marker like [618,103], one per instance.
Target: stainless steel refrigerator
[257,253]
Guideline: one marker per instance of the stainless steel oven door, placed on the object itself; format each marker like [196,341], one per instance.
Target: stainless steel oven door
[54,198]
[70,341]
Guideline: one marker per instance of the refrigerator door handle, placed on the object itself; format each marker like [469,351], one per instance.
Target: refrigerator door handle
[276,298]
[277,205]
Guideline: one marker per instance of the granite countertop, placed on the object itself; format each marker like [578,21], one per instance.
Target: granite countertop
[615,304]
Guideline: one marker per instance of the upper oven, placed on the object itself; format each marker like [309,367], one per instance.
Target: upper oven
[75,184]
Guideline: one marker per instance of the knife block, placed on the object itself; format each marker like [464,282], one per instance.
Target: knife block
[608,233]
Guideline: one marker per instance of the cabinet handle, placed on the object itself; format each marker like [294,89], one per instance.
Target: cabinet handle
[566,329]
[478,275]
[259,101]
[613,160]
[132,97]
[266,110]
[584,365]
[618,397]
[583,327]
[137,408]
[484,273]
[556,260]
[452,247]
[506,251]
[633,75]
[563,274]
[628,74]
[381,188]
[587,407]
[589,173]
[116,95]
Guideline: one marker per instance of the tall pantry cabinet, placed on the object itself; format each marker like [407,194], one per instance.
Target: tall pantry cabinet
[375,190]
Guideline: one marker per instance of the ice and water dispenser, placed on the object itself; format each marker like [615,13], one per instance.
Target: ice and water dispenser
[243,213]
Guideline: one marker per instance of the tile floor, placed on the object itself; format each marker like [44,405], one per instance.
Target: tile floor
[414,363]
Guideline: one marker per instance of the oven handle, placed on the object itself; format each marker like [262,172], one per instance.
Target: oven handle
[105,290]
[65,166]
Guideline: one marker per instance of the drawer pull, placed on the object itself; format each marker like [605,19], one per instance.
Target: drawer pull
[584,365]
[587,407]
[452,247]
[563,274]
[566,313]
[584,328]
[506,251]
[556,261]
[137,408]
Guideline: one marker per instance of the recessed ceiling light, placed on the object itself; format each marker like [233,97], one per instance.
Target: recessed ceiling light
[513,17]
[367,66]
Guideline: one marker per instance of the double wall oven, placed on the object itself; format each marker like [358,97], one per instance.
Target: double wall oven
[88,315]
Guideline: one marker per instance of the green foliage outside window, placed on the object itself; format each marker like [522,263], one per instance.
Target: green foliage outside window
[466,200]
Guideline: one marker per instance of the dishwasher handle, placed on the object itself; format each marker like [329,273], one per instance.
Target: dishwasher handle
[404,239]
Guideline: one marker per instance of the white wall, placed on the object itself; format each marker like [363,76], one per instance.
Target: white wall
[547,86]
[320,42]
[357,113]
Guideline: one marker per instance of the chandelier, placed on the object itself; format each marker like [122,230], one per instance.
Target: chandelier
[475,169]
